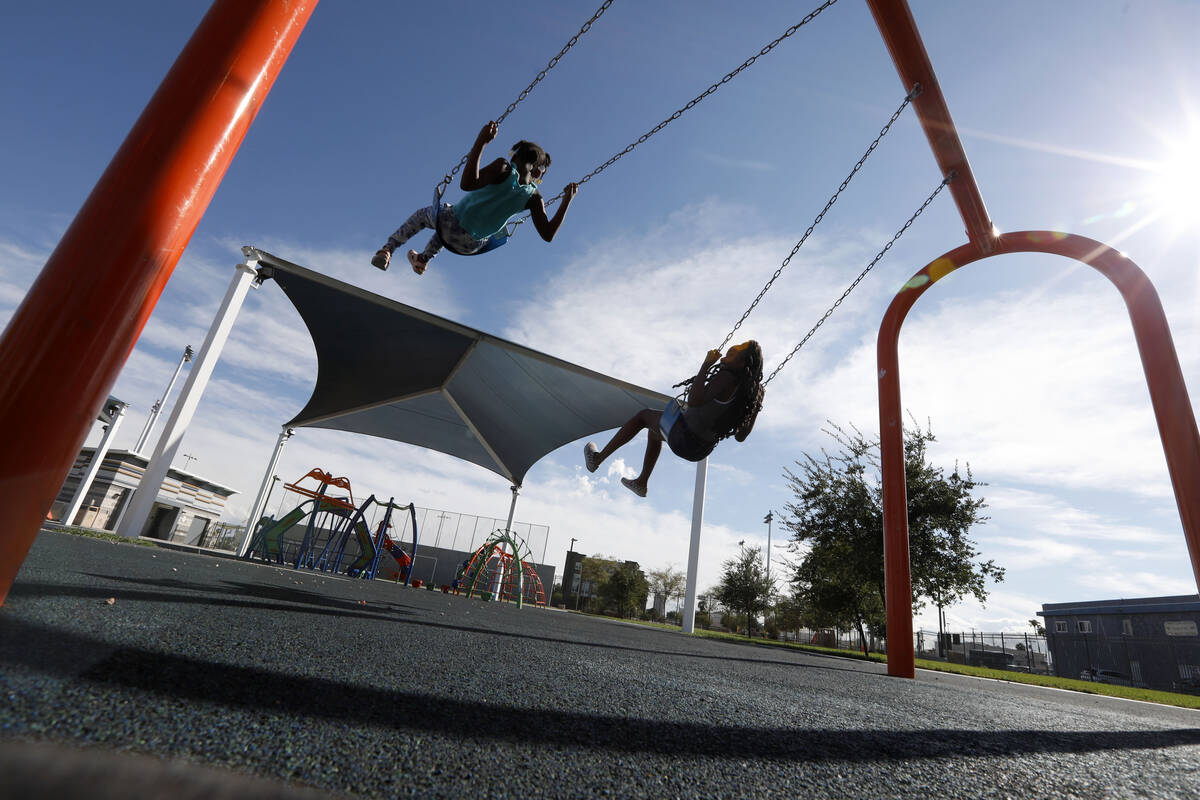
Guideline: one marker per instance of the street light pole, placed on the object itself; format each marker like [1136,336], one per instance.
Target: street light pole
[767,519]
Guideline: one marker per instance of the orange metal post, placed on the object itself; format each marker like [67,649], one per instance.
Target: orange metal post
[1164,379]
[903,40]
[64,346]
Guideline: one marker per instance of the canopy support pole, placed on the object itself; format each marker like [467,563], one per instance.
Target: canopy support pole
[689,603]
[189,397]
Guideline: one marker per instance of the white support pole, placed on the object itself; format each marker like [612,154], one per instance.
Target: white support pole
[257,509]
[116,413]
[689,602]
[498,577]
[157,408]
[185,407]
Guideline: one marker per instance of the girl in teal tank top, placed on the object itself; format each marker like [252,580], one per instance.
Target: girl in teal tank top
[495,194]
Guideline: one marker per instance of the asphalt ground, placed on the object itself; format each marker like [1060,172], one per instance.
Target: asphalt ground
[207,677]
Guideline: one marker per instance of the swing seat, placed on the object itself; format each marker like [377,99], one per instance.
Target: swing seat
[491,243]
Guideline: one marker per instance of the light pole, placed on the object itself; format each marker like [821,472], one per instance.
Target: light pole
[267,500]
[156,409]
[767,519]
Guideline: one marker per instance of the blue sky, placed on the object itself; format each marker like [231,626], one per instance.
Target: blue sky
[1075,116]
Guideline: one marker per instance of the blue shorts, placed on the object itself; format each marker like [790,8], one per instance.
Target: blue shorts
[674,430]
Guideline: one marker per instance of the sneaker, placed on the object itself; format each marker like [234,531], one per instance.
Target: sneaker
[418,261]
[634,487]
[382,258]
[591,457]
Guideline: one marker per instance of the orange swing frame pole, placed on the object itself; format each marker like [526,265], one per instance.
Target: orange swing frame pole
[65,345]
[1164,378]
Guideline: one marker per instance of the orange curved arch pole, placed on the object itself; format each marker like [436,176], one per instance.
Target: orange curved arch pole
[1164,378]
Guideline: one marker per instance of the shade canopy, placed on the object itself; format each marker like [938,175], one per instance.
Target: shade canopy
[393,371]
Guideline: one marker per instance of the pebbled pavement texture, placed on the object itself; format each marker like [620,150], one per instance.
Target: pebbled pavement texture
[208,677]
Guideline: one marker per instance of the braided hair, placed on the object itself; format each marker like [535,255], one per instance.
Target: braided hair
[526,152]
[739,421]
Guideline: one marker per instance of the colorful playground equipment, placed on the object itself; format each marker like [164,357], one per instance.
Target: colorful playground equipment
[335,533]
[494,573]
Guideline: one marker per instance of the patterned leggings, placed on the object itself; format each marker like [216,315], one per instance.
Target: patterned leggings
[423,218]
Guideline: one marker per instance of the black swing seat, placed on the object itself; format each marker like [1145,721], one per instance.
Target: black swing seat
[491,243]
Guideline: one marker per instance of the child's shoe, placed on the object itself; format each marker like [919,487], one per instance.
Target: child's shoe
[382,258]
[591,457]
[418,261]
[634,487]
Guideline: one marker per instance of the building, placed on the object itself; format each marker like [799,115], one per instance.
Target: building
[573,584]
[187,507]
[1151,642]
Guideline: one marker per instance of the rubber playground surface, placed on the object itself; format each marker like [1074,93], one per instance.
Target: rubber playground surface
[208,677]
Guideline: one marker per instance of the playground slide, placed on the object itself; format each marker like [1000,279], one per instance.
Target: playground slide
[268,538]
[366,550]
[403,561]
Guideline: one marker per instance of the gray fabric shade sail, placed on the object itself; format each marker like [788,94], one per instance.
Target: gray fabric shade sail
[390,370]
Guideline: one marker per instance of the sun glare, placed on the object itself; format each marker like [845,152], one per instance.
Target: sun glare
[1175,190]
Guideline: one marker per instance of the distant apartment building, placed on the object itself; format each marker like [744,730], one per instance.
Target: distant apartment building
[1153,642]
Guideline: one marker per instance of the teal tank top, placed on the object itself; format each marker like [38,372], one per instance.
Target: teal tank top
[485,211]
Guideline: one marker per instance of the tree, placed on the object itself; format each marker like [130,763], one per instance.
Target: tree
[789,614]
[594,572]
[1038,628]
[625,590]
[668,581]
[744,587]
[837,521]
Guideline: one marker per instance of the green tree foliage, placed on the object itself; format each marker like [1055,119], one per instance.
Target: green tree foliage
[789,614]
[668,582]
[625,591]
[837,523]
[744,588]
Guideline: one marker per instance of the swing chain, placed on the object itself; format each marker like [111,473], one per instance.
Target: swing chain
[551,64]
[695,100]
[916,90]
[861,275]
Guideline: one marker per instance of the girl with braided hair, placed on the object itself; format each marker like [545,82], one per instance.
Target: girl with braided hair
[496,193]
[721,402]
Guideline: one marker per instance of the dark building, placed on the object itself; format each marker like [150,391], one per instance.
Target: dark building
[572,584]
[1151,642]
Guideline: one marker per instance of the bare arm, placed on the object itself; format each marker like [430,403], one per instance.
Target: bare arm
[545,226]
[698,392]
[475,178]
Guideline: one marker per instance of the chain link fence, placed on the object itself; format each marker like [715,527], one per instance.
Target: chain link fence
[453,530]
[1020,652]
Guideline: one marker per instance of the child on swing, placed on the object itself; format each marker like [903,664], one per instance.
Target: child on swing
[719,405]
[496,193]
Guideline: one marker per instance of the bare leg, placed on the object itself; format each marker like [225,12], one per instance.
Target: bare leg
[653,448]
[646,418]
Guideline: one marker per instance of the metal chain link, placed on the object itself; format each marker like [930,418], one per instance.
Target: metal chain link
[916,90]
[551,64]
[861,275]
[692,103]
